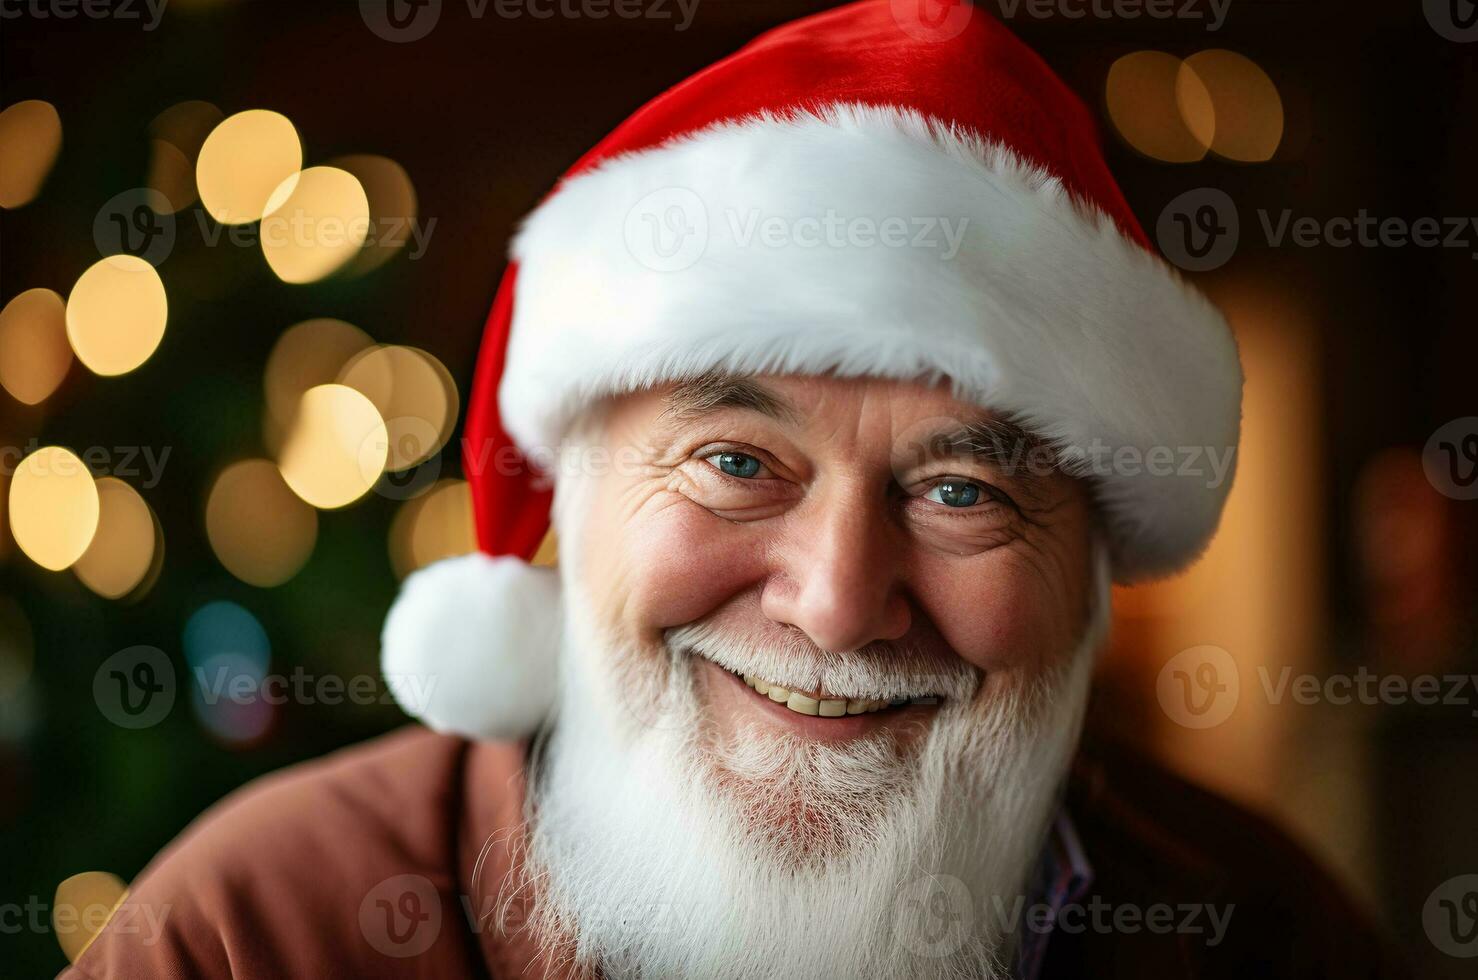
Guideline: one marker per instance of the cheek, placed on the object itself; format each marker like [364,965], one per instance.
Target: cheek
[671,564]
[1004,614]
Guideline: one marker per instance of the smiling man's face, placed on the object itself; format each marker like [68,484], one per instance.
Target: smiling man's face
[847,544]
[824,638]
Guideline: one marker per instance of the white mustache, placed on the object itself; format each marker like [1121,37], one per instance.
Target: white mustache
[886,671]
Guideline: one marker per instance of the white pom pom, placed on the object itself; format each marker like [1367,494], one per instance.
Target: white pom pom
[470,645]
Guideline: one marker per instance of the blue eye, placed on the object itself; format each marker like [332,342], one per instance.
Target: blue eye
[742,465]
[955,493]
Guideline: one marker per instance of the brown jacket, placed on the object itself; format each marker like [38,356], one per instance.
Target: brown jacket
[366,864]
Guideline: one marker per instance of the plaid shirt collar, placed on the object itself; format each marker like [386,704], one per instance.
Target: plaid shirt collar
[1062,877]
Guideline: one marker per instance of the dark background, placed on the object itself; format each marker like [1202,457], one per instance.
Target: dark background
[484,114]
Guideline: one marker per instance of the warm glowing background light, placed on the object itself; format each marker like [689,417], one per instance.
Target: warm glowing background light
[336,447]
[243,161]
[116,314]
[436,525]
[1249,113]
[53,507]
[30,139]
[316,222]
[307,354]
[34,354]
[122,551]
[415,395]
[1176,111]
[258,528]
[175,138]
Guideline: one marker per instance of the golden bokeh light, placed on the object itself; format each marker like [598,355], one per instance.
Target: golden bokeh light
[53,507]
[392,208]
[5,538]
[116,314]
[307,354]
[243,161]
[30,139]
[34,354]
[1158,109]
[1249,112]
[257,527]
[436,525]
[171,174]
[335,448]
[316,222]
[415,395]
[156,564]
[175,138]
[83,905]
[122,551]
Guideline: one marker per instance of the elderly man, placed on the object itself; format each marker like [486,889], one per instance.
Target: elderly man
[820,364]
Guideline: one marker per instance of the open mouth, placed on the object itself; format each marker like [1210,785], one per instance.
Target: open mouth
[819,704]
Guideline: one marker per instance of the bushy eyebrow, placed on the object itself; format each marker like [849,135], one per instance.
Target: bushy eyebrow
[1019,454]
[998,441]
[699,397]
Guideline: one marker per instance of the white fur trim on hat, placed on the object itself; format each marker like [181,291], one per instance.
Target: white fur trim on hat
[712,253]
[471,646]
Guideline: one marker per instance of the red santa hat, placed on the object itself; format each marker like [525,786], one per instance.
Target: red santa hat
[657,258]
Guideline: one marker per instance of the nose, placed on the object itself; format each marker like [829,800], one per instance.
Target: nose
[838,579]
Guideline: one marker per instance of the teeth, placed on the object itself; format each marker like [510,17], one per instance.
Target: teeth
[827,707]
[800,703]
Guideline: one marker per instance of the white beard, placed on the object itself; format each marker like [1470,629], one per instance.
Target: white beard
[654,851]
